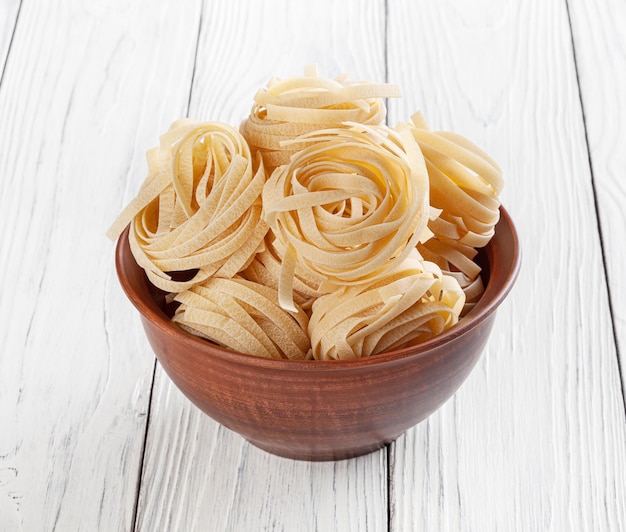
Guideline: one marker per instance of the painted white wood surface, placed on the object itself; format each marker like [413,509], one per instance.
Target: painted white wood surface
[535,439]
[601,59]
[8,16]
[83,86]
[196,473]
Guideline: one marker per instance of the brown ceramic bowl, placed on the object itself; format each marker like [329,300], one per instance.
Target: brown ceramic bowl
[313,410]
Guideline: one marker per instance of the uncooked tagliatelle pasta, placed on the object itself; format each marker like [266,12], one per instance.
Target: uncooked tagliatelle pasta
[199,209]
[348,206]
[244,316]
[265,269]
[288,108]
[410,303]
[314,231]
[465,184]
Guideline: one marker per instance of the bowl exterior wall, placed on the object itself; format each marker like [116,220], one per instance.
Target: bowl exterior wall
[320,414]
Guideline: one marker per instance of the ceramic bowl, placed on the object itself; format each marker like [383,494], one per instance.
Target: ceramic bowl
[314,410]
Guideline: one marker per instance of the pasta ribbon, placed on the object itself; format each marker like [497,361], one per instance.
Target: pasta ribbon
[265,269]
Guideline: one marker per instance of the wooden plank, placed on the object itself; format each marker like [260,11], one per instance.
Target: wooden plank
[85,90]
[198,475]
[535,439]
[9,10]
[600,50]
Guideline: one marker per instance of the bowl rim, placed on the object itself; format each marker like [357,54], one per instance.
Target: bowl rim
[483,309]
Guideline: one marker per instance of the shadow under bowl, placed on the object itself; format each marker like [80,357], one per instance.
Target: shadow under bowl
[324,410]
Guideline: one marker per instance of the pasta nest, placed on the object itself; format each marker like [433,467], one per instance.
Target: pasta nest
[288,108]
[348,206]
[465,184]
[199,209]
[244,316]
[410,303]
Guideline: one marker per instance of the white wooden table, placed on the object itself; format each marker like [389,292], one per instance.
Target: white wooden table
[94,436]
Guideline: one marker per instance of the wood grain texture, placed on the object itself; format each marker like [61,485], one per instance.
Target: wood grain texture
[242,47]
[84,86]
[9,10]
[535,439]
[200,476]
[601,59]
[195,472]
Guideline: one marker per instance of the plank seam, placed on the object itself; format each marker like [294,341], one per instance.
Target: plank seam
[386,40]
[6,59]
[386,51]
[597,210]
[135,516]
[390,490]
[195,58]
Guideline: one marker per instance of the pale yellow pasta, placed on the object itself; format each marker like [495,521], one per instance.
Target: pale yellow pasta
[199,209]
[265,269]
[465,184]
[410,303]
[243,316]
[315,231]
[457,261]
[348,206]
[288,108]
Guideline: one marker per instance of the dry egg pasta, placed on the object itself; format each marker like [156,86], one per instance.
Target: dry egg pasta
[199,208]
[288,108]
[315,231]
[266,266]
[465,184]
[347,206]
[243,316]
[410,303]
